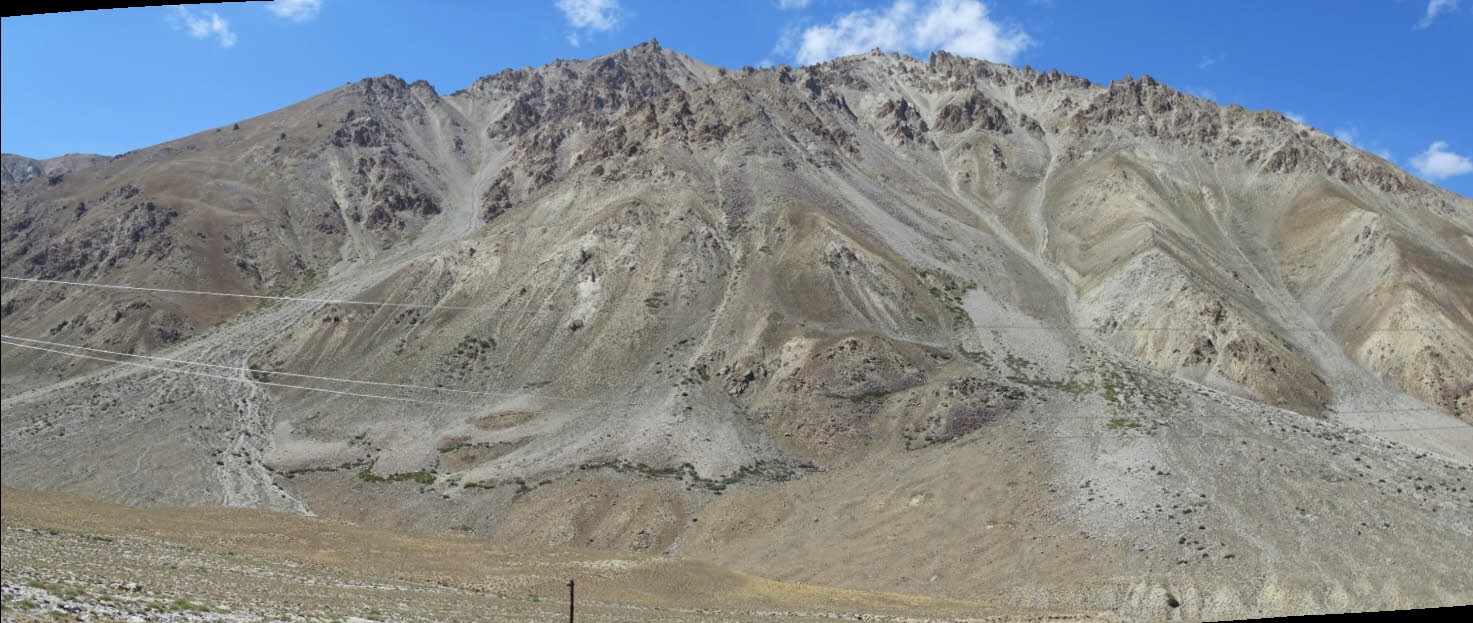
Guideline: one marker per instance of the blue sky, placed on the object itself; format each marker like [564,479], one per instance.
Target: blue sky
[1392,76]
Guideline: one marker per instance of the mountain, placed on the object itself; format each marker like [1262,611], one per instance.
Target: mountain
[16,169]
[933,326]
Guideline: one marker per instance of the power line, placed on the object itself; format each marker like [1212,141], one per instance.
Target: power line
[246,380]
[463,405]
[310,300]
[1193,329]
[538,396]
[328,378]
[1227,436]
[508,313]
[1400,410]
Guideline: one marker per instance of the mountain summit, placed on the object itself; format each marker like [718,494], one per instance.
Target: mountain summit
[940,326]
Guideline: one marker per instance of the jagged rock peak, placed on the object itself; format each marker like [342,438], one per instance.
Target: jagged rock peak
[644,68]
[386,83]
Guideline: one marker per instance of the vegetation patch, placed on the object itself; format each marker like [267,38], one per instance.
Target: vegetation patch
[1017,364]
[695,375]
[472,347]
[308,283]
[1021,374]
[422,477]
[978,357]
[948,292]
[182,605]
[1128,389]
[299,471]
[771,471]
[926,440]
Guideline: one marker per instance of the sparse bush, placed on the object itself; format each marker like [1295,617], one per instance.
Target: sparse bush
[422,477]
[185,605]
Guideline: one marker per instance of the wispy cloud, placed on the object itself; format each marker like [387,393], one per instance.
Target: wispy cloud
[1436,8]
[1208,61]
[589,16]
[787,42]
[203,25]
[959,26]
[1350,135]
[793,5]
[1296,117]
[1437,163]
[295,10]
[1204,93]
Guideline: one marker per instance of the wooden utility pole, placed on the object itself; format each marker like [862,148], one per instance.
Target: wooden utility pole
[570,600]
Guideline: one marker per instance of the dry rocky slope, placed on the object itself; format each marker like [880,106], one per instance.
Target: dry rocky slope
[936,326]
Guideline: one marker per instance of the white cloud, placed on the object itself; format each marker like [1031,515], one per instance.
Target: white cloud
[203,25]
[1296,117]
[959,26]
[1438,163]
[589,16]
[1434,9]
[792,5]
[296,10]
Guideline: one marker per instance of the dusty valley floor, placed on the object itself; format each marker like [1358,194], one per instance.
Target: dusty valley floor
[67,558]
